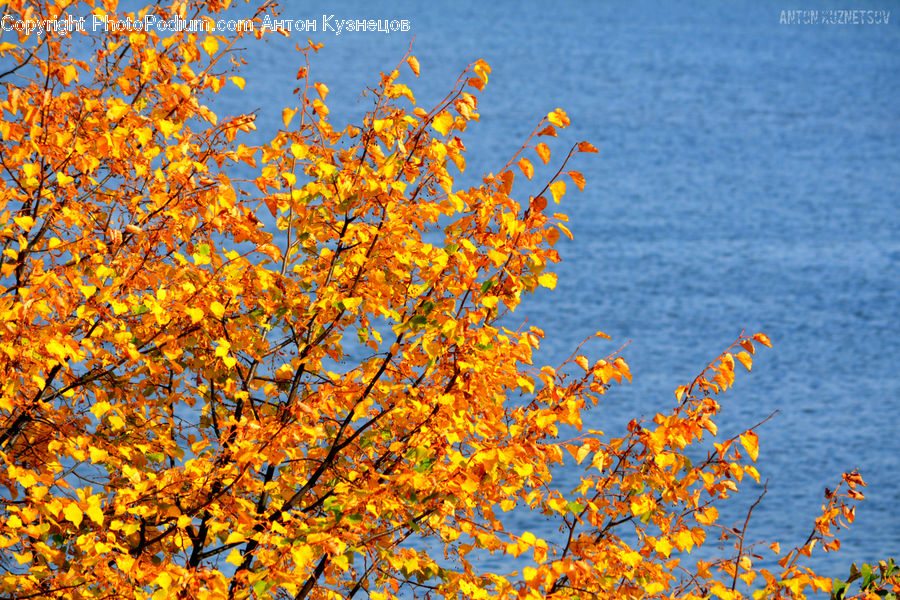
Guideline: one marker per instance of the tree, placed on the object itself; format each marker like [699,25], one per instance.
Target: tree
[194,406]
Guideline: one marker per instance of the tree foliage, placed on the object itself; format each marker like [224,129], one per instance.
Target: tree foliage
[195,405]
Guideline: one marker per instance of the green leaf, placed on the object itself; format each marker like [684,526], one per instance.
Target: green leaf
[487,285]
[837,589]
[261,587]
[867,576]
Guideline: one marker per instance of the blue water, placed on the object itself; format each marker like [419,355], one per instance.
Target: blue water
[747,177]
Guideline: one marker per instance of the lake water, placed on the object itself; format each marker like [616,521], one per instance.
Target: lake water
[747,178]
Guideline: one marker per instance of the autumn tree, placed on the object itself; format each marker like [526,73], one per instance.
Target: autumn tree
[195,405]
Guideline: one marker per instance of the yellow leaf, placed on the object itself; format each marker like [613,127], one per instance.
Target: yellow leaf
[234,537]
[582,453]
[287,114]
[557,188]
[217,308]
[582,362]
[558,117]
[442,123]
[100,408]
[745,359]
[235,557]
[526,167]
[63,179]
[117,111]
[351,303]
[238,81]
[97,454]
[26,479]
[69,73]
[320,107]
[547,280]
[24,222]
[211,45]
[684,540]
[708,516]
[195,314]
[167,127]
[498,258]
[750,441]
[73,513]
[88,290]
[95,514]
[413,64]
[322,89]
[57,349]
[654,587]
[222,348]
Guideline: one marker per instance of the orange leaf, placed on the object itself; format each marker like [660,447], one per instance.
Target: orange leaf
[745,359]
[552,236]
[413,64]
[271,204]
[543,151]
[322,89]
[587,147]
[763,339]
[548,130]
[578,178]
[538,204]
[526,167]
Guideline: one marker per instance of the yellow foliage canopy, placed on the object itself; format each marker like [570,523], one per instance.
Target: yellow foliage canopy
[195,406]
